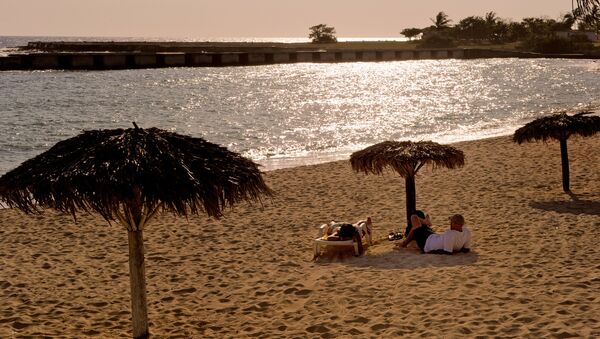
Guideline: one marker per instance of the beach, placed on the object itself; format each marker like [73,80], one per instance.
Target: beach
[534,269]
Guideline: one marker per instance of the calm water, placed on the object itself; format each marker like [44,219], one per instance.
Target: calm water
[7,43]
[286,115]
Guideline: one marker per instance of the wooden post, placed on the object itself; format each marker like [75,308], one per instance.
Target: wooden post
[137,279]
[411,197]
[564,159]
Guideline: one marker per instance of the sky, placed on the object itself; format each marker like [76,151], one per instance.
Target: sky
[248,18]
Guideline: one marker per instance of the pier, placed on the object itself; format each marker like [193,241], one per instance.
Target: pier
[111,56]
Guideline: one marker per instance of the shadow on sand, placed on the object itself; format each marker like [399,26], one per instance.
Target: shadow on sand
[391,259]
[577,205]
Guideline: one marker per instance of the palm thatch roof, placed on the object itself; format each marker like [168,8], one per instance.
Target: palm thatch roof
[102,170]
[406,157]
[558,126]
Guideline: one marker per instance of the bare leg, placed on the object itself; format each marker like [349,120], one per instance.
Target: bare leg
[415,223]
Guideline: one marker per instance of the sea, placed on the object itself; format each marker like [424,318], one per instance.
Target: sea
[290,115]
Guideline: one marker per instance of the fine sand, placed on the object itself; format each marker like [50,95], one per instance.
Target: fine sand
[534,270]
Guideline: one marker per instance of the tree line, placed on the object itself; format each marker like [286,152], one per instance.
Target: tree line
[534,33]
[491,29]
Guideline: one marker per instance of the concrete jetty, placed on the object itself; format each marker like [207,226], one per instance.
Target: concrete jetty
[110,56]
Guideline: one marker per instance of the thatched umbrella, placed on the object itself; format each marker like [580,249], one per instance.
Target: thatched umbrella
[406,158]
[128,175]
[560,127]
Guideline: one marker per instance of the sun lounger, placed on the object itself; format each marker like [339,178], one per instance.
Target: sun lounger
[363,228]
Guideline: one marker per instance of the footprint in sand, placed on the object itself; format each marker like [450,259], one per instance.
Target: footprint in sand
[303,292]
[379,327]
[290,290]
[19,325]
[91,332]
[317,329]
[185,290]
[296,291]
[260,307]
[361,320]
[99,304]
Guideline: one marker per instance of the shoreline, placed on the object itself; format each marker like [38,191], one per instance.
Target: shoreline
[271,164]
[532,270]
[290,162]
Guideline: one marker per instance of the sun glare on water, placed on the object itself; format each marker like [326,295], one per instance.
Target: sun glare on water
[286,114]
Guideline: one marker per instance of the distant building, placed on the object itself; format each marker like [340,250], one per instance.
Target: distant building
[590,35]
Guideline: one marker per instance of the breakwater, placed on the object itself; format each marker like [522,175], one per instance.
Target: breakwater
[108,56]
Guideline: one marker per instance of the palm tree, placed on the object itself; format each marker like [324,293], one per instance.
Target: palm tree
[559,127]
[585,6]
[441,21]
[406,158]
[592,19]
[129,176]
[588,14]
[491,20]
[568,20]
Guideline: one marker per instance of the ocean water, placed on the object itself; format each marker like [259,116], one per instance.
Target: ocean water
[292,114]
[8,44]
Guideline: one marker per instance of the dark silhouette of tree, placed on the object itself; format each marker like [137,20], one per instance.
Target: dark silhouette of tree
[517,31]
[471,28]
[587,14]
[410,33]
[491,20]
[586,6]
[539,27]
[590,21]
[500,32]
[535,34]
[441,21]
[568,20]
[322,34]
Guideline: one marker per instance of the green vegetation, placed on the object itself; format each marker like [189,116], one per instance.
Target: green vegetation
[410,33]
[322,34]
[587,6]
[441,21]
[531,34]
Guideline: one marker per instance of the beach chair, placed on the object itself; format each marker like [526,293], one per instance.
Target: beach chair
[363,228]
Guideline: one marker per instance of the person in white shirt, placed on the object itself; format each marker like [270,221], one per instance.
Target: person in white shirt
[456,239]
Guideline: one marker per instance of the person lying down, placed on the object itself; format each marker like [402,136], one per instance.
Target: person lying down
[345,231]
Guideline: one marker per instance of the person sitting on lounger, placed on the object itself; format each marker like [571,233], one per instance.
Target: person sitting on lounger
[457,238]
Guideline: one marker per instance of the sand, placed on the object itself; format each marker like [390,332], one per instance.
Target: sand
[534,270]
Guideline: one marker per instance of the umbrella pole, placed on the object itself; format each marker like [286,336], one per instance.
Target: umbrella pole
[411,197]
[137,280]
[564,159]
